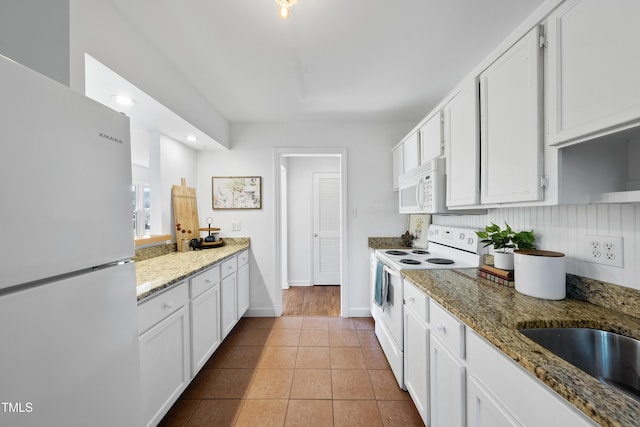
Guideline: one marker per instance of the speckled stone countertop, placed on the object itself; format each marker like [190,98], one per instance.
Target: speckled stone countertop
[386,243]
[156,274]
[497,312]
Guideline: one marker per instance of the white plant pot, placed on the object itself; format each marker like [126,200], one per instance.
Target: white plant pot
[503,260]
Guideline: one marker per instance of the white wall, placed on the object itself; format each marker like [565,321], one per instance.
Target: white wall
[369,190]
[176,161]
[35,33]
[565,229]
[98,29]
[300,191]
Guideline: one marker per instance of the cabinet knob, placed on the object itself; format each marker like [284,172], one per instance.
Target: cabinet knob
[207,281]
[167,305]
[440,328]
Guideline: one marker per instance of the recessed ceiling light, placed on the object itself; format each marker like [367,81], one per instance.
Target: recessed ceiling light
[123,100]
[192,138]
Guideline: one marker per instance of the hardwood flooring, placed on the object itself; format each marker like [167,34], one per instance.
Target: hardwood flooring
[311,301]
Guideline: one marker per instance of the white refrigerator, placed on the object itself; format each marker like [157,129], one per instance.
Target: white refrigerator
[68,325]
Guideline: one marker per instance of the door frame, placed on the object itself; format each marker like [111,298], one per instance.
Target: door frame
[278,155]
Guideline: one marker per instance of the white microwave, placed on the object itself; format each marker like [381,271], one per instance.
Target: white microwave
[422,189]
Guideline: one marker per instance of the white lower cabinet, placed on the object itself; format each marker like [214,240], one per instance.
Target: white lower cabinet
[416,351]
[243,283]
[205,327]
[164,351]
[229,296]
[180,328]
[483,410]
[504,393]
[456,378]
[447,369]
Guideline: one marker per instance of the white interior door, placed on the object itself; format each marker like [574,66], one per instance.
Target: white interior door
[326,228]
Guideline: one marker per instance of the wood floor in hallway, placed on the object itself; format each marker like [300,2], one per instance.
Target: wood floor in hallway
[311,301]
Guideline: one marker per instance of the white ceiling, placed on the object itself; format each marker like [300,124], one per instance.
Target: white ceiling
[332,59]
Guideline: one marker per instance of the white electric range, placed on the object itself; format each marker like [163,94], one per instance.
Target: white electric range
[447,248]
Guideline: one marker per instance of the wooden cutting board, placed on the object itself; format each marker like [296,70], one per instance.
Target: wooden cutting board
[185,212]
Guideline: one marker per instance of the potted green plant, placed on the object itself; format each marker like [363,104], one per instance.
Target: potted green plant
[504,242]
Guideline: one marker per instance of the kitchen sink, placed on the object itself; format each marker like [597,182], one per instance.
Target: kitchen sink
[611,358]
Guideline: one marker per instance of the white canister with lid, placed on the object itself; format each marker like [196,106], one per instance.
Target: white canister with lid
[540,274]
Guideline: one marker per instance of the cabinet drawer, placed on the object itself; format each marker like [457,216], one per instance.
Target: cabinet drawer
[229,266]
[157,308]
[204,281]
[243,258]
[448,329]
[417,300]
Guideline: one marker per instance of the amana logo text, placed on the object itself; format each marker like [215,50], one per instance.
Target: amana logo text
[110,138]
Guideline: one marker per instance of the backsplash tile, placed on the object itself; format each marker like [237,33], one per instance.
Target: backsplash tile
[565,229]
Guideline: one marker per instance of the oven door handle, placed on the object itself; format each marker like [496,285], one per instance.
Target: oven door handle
[392,271]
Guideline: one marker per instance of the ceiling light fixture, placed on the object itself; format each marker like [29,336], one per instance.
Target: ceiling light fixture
[123,100]
[285,5]
[192,138]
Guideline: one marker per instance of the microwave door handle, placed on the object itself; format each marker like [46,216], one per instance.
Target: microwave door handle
[420,194]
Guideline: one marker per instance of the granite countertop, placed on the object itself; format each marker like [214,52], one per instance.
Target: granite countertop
[386,243]
[496,312]
[156,274]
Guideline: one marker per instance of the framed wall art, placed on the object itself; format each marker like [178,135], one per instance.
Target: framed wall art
[236,192]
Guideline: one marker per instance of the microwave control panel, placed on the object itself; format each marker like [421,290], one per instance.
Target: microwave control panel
[427,193]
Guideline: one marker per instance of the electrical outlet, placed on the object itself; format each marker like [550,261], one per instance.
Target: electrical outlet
[235,226]
[605,250]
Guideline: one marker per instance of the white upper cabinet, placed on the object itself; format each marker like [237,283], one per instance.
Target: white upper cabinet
[431,141]
[462,146]
[593,66]
[398,164]
[511,136]
[411,151]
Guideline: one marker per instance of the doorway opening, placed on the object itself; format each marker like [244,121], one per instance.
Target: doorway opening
[310,231]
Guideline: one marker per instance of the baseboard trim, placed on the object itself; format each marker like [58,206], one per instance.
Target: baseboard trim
[359,312]
[261,312]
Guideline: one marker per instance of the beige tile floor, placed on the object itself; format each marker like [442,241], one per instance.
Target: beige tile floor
[296,371]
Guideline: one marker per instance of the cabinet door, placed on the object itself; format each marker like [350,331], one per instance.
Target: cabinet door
[243,290]
[411,151]
[205,327]
[593,68]
[447,388]
[398,164]
[228,303]
[416,362]
[462,138]
[431,141]
[483,410]
[511,139]
[164,365]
